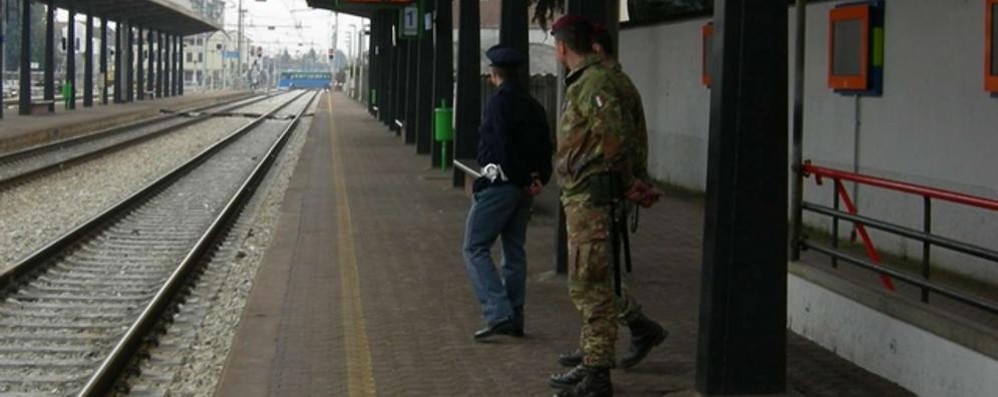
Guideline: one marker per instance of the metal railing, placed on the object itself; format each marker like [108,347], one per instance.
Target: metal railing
[924,235]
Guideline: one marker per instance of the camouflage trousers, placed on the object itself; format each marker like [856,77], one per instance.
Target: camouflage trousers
[590,279]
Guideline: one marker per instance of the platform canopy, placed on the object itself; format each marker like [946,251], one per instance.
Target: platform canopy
[161,15]
[361,8]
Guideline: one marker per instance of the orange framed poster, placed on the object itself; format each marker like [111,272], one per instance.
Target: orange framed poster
[990,52]
[849,47]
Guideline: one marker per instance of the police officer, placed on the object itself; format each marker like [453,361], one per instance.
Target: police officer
[645,333]
[514,152]
[595,164]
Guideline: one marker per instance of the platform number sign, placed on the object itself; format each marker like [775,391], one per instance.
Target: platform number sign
[410,21]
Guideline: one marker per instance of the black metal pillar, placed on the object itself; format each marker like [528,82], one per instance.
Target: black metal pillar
[389,71]
[180,68]
[50,53]
[3,68]
[71,56]
[103,60]
[443,69]
[167,65]
[130,64]
[160,55]
[399,93]
[151,80]
[174,77]
[741,345]
[424,89]
[373,60]
[24,91]
[411,85]
[118,63]
[88,63]
[140,86]
[469,85]
[513,32]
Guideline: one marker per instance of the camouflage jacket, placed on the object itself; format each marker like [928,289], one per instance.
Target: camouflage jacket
[634,109]
[596,134]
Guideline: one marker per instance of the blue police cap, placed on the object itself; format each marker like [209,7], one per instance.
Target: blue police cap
[504,57]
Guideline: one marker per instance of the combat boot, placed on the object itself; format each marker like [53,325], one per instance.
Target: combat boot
[569,360]
[569,379]
[645,335]
[595,384]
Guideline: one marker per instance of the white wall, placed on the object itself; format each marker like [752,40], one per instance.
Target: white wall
[934,125]
[918,360]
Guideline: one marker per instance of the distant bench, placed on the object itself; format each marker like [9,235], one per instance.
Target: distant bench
[471,172]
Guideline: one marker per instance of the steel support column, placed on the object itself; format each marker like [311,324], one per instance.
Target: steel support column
[88,63]
[71,56]
[468,107]
[398,107]
[443,70]
[373,56]
[151,77]
[513,32]
[182,78]
[129,64]
[741,347]
[103,61]
[24,91]
[140,80]
[167,66]
[411,90]
[118,62]
[424,88]
[160,55]
[3,68]
[178,54]
[50,54]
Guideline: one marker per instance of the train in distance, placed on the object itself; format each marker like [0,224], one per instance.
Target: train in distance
[294,80]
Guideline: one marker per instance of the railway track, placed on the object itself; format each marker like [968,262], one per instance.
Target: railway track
[23,165]
[75,312]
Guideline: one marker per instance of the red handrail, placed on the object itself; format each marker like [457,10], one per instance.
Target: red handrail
[960,198]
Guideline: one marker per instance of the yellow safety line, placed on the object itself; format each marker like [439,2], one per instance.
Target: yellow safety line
[360,374]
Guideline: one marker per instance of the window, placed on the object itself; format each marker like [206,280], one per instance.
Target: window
[190,57]
[991,48]
[855,48]
[707,54]
[200,57]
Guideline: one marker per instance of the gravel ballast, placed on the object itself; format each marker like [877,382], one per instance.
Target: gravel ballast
[35,213]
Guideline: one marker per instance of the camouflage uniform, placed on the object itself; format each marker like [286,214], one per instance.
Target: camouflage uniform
[593,139]
[633,111]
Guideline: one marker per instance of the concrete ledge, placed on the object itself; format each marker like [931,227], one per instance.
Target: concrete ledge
[75,128]
[921,348]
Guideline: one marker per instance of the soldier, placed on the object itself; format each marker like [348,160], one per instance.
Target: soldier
[645,333]
[514,152]
[595,161]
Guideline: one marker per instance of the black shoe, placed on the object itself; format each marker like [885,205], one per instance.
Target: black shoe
[503,327]
[645,335]
[516,330]
[570,360]
[569,379]
[596,384]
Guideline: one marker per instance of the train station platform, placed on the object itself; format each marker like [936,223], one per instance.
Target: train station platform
[363,290]
[17,131]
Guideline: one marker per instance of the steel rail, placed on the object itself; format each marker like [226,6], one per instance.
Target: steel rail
[13,180]
[33,150]
[117,361]
[36,260]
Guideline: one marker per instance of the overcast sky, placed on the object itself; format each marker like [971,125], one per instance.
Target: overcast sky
[316,26]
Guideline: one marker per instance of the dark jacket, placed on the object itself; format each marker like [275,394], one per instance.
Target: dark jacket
[514,134]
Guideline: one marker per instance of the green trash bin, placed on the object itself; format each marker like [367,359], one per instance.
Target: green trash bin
[443,130]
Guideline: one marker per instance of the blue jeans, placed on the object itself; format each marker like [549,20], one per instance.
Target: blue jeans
[501,210]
